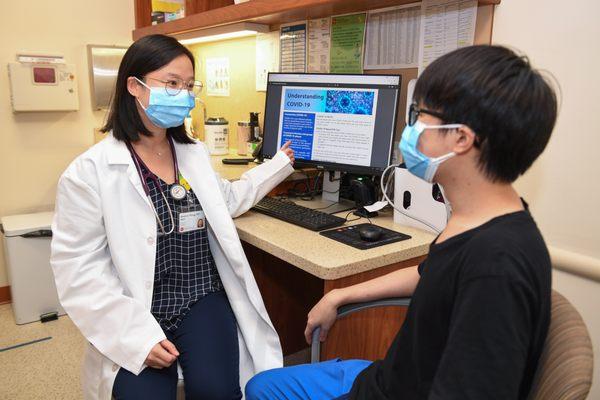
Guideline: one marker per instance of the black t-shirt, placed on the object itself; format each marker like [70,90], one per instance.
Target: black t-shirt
[477,322]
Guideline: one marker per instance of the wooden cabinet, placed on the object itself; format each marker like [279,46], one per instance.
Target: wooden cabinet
[202,14]
[143,9]
[290,293]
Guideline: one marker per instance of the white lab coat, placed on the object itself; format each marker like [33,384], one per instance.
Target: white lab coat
[103,257]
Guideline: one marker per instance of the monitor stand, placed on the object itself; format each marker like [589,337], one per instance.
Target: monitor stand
[329,201]
[331,185]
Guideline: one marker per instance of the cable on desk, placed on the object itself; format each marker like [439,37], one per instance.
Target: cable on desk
[356,219]
[326,207]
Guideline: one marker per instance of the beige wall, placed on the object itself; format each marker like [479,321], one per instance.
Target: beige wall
[35,148]
[243,97]
[563,186]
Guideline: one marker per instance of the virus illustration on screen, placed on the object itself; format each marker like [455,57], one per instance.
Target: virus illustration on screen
[349,102]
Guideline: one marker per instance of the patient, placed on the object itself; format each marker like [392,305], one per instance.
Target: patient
[481,300]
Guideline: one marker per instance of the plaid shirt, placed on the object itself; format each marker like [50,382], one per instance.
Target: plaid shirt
[185,270]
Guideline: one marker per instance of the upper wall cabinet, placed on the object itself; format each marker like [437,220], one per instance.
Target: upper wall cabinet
[202,14]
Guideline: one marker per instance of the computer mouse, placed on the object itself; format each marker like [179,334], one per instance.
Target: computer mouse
[370,233]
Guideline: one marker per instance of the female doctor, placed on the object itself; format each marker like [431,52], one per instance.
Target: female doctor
[147,260]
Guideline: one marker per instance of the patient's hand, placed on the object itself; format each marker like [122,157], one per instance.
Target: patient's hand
[162,355]
[323,315]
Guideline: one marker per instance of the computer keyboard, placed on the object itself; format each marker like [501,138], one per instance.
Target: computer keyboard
[298,215]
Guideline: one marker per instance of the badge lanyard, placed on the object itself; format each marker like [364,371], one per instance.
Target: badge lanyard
[176,190]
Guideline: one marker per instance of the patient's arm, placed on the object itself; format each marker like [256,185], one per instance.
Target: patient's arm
[401,283]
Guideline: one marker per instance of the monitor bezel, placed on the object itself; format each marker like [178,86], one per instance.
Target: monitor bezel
[331,166]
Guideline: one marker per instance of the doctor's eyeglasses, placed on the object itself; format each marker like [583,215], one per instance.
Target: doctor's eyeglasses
[175,85]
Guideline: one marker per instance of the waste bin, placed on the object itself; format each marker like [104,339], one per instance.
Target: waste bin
[27,250]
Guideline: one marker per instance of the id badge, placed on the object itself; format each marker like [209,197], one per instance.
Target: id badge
[191,219]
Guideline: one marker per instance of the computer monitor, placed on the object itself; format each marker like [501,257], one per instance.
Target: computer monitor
[336,122]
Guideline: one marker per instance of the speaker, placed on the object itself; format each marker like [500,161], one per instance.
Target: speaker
[419,199]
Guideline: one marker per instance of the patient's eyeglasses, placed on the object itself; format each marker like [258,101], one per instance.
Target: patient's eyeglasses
[414,111]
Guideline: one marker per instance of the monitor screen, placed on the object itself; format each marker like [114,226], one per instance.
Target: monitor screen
[335,122]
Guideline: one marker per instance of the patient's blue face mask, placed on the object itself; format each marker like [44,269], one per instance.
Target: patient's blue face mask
[165,110]
[418,163]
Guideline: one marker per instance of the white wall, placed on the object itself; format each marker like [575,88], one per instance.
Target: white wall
[35,148]
[563,186]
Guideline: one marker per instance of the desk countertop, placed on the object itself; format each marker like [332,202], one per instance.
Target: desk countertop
[230,172]
[316,254]
[324,257]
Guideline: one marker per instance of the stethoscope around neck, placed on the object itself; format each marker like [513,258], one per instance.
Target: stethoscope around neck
[176,190]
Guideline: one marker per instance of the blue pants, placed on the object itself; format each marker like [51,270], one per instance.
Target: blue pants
[327,380]
[209,356]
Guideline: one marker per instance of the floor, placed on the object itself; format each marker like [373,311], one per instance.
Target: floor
[45,370]
[50,369]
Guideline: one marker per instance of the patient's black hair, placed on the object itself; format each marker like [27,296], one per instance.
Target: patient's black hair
[509,105]
[143,56]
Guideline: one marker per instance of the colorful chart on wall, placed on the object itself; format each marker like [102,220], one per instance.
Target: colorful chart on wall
[292,44]
[347,39]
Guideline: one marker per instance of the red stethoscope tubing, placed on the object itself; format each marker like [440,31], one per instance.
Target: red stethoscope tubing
[138,162]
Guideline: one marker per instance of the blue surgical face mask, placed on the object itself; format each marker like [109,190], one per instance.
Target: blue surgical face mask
[166,111]
[418,163]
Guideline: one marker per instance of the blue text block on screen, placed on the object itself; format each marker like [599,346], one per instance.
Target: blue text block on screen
[299,128]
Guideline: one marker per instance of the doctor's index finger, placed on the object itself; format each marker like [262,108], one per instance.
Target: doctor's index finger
[286,145]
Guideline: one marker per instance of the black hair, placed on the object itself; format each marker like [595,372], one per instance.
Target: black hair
[495,92]
[142,57]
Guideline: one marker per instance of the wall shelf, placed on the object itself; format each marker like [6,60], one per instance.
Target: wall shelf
[270,12]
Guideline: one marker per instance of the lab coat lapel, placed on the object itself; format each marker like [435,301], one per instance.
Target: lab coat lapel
[136,181]
[119,155]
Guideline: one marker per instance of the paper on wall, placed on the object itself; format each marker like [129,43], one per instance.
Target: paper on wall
[347,43]
[445,26]
[267,57]
[217,76]
[319,34]
[293,48]
[392,38]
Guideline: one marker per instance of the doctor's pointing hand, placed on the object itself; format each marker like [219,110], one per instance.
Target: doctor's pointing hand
[145,253]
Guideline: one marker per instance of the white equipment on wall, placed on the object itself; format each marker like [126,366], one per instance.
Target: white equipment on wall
[27,245]
[417,198]
[42,83]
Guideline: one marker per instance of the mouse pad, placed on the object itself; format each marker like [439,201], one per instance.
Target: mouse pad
[349,235]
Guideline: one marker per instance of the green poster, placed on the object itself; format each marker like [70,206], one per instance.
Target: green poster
[347,40]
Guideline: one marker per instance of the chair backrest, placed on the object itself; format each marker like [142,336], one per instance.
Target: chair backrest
[567,361]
